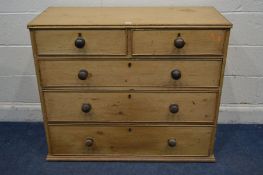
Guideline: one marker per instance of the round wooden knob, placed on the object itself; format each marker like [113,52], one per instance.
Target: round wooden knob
[80,42]
[83,74]
[89,142]
[172,142]
[86,108]
[179,42]
[176,74]
[174,108]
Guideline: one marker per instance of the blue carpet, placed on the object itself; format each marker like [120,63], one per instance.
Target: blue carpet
[239,150]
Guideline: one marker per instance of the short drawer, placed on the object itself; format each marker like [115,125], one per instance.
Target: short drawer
[129,140]
[81,42]
[131,73]
[130,107]
[178,42]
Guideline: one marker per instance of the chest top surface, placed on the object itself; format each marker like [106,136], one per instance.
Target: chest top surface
[125,16]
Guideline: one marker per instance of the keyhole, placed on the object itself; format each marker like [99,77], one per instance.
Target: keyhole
[129,96]
[129,64]
[129,129]
[179,34]
[79,34]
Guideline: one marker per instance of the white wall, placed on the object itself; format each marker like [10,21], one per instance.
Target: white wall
[242,100]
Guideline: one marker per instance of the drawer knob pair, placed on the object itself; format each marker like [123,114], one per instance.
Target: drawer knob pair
[174,108]
[83,74]
[178,42]
[86,108]
[89,142]
[80,42]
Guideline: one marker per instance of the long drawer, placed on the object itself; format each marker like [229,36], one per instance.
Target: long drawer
[130,107]
[130,140]
[81,42]
[178,42]
[131,73]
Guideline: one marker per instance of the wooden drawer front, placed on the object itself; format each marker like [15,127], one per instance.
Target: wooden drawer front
[125,107]
[131,73]
[129,140]
[161,42]
[97,42]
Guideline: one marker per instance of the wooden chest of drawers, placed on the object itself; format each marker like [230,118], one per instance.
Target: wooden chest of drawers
[130,83]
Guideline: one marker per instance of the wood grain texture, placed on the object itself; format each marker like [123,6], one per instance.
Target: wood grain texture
[129,158]
[220,91]
[97,42]
[83,16]
[130,107]
[43,110]
[129,55]
[129,140]
[161,42]
[128,89]
[140,73]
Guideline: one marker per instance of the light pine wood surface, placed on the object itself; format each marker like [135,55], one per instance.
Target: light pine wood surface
[130,140]
[131,107]
[131,73]
[119,16]
[161,42]
[129,54]
[97,42]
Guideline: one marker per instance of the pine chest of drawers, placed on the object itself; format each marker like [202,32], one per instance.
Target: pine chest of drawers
[130,83]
